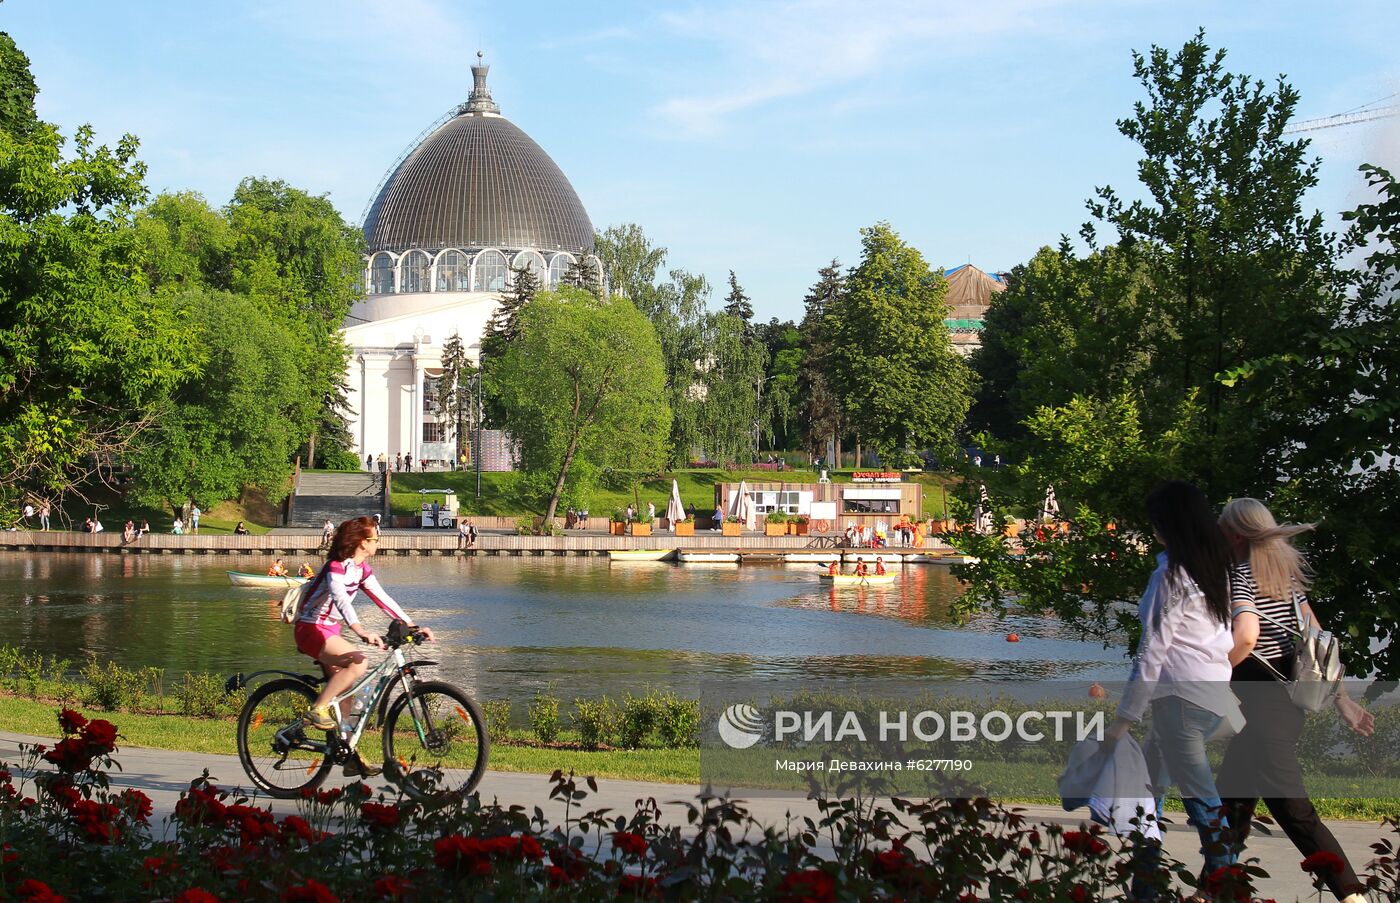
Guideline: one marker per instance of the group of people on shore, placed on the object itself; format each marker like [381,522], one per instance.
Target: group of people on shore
[1220,618]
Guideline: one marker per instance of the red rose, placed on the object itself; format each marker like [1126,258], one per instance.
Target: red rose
[71,755]
[196,895]
[1079,894]
[629,843]
[64,794]
[556,876]
[888,862]
[102,735]
[392,887]
[70,722]
[1323,861]
[328,797]
[807,886]
[32,890]
[136,804]
[296,826]
[568,863]
[159,865]
[1084,843]
[637,886]
[312,891]
[379,815]
[530,848]
[462,855]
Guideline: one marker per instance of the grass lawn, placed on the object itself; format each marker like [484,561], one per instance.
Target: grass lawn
[501,497]
[113,509]
[216,736]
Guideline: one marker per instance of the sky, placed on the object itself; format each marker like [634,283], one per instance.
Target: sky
[753,136]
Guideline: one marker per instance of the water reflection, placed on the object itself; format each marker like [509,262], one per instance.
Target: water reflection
[512,625]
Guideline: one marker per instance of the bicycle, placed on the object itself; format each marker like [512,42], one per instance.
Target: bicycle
[434,735]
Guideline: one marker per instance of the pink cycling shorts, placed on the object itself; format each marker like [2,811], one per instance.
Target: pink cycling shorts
[311,637]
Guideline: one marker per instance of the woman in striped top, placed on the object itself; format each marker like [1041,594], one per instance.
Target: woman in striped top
[1271,577]
[328,606]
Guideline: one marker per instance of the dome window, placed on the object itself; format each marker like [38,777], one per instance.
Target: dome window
[490,272]
[381,275]
[453,272]
[559,268]
[534,262]
[414,275]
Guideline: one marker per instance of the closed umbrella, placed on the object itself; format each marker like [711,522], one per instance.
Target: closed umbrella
[982,516]
[750,514]
[675,511]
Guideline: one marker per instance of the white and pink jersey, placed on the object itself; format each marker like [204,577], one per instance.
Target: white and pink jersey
[331,601]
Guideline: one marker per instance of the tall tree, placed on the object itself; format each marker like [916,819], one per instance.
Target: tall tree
[902,385]
[583,274]
[731,374]
[504,324]
[820,409]
[778,400]
[582,388]
[86,357]
[629,259]
[736,303]
[455,390]
[17,90]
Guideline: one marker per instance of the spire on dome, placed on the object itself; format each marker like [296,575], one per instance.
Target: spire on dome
[480,100]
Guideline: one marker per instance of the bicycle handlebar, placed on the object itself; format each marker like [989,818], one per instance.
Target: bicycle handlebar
[399,635]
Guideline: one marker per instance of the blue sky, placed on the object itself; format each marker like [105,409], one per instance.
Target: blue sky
[745,135]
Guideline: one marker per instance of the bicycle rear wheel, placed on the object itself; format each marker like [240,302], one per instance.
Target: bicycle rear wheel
[435,742]
[276,749]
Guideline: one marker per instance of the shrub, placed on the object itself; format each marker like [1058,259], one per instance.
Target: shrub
[202,695]
[597,721]
[497,712]
[618,516]
[111,687]
[640,715]
[777,517]
[678,721]
[340,459]
[544,717]
[732,519]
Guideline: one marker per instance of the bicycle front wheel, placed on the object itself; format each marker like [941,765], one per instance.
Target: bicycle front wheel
[279,753]
[435,743]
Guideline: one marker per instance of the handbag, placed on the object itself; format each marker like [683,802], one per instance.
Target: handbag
[1316,667]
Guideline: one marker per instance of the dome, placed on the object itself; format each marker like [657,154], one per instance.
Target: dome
[477,181]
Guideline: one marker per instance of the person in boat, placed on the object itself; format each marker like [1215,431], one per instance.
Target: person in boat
[879,566]
[278,569]
[330,605]
[833,569]
[861,569]
[306,571]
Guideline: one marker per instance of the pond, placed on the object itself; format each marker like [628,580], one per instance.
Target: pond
[585,627]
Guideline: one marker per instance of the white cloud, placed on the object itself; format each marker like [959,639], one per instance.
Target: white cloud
[799,47]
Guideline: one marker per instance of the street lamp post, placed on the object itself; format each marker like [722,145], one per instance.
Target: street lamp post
[476,451]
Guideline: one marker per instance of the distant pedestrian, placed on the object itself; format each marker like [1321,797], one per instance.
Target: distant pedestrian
[369,463]
[327,531]
[718,518]
[178,528]
[398,462]
[435,509]
[463,461]
[631,513]
[97,526]
[194,518]
[383,463]
[583,518]
[44,517]
[977,461]
[464,533]
[408,465]
[129,532]
[651,511]
[144,528]
[26,513]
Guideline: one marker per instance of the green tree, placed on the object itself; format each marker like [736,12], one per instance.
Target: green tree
[731,376]
[86,356]
[235,426]
[736,303]
[583,274]
[455,390]
[778,400]
[630,260]
[819,408]
[902,385]
[582,388]
[17,90]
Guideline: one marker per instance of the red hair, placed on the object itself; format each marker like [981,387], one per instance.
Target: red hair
[348,537]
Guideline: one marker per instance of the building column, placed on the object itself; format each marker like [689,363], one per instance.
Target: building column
[416,438]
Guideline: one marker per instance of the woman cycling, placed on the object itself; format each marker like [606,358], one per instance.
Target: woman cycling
[331,603]
[1269,579]
[1183,669]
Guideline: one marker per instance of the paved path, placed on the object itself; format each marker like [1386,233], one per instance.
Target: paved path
[163,774]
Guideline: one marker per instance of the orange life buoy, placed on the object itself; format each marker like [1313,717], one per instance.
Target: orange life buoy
[821,526]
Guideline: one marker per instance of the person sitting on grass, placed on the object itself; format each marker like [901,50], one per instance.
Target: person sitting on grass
[330,604]
[240,530]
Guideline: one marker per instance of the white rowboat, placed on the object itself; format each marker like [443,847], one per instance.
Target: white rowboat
[710,557]
[240,579]
[854,580]
[640,554]
[812,557]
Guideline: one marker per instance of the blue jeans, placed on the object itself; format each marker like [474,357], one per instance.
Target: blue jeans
[1176,754]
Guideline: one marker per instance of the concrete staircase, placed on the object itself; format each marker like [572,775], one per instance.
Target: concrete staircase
[338,496]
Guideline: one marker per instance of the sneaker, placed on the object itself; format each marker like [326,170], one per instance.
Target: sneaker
[319,719]
[357,767]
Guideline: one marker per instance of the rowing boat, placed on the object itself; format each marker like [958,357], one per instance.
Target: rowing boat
[856,580]
[812,557]
[640,554]
[709,557]
[240,579]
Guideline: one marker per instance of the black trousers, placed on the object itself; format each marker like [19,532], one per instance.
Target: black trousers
[1262,763]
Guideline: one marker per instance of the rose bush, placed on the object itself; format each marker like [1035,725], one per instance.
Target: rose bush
[65,835]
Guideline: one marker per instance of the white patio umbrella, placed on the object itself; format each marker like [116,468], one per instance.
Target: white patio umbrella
[1051,506]
[982,514]
[741,506]
[675,511]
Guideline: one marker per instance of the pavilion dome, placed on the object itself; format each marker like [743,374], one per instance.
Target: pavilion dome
[477,181]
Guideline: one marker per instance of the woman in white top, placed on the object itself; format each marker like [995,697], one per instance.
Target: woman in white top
[1267,593]
[1182,669]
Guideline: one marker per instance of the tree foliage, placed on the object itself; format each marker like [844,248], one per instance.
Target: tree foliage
[737,303]
[583,390]
[819,408]
[86,357]
[17,90]
[455,390]
[902,386]
[729,380]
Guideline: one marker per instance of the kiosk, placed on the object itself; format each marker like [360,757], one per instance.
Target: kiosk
[435,513]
